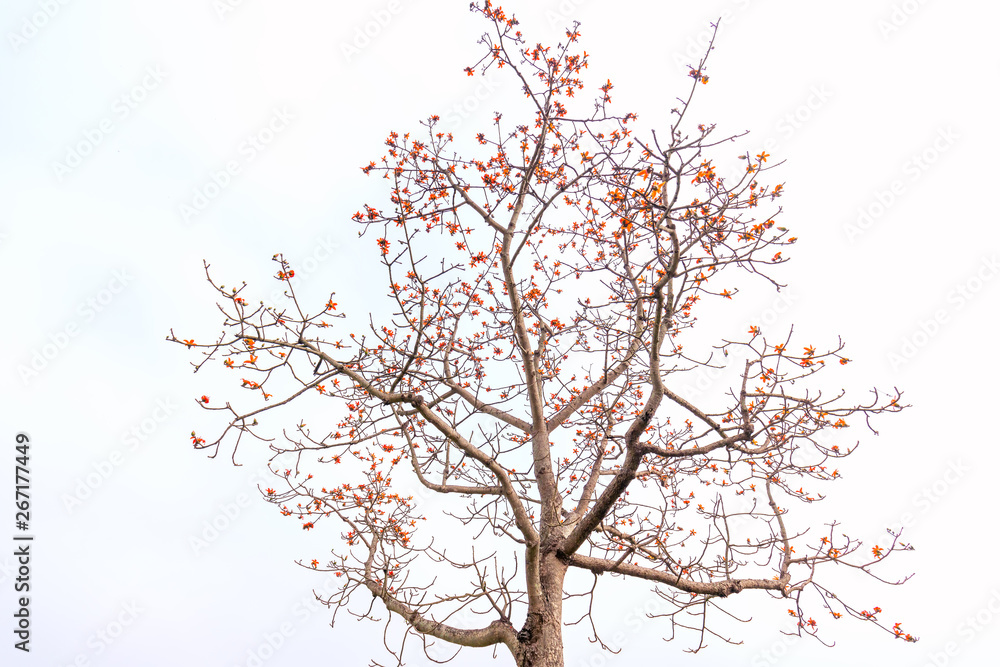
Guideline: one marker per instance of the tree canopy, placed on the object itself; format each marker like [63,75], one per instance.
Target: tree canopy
[544,280]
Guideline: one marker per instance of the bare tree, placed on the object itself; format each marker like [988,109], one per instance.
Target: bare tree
[530,376]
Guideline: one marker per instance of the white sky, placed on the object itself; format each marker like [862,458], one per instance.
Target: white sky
[866,100]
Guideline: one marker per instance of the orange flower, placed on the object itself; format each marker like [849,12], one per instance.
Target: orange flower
[204,399]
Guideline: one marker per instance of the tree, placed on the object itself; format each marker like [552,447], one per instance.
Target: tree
[543,290]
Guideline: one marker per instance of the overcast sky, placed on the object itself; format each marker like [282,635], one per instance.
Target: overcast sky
[139,139]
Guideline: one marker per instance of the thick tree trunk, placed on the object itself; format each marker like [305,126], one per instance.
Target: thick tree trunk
[540,640]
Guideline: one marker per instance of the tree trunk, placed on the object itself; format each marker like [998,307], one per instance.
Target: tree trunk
[541,638]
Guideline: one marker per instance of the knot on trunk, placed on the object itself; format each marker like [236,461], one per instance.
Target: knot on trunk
[413,398]
[730,588]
